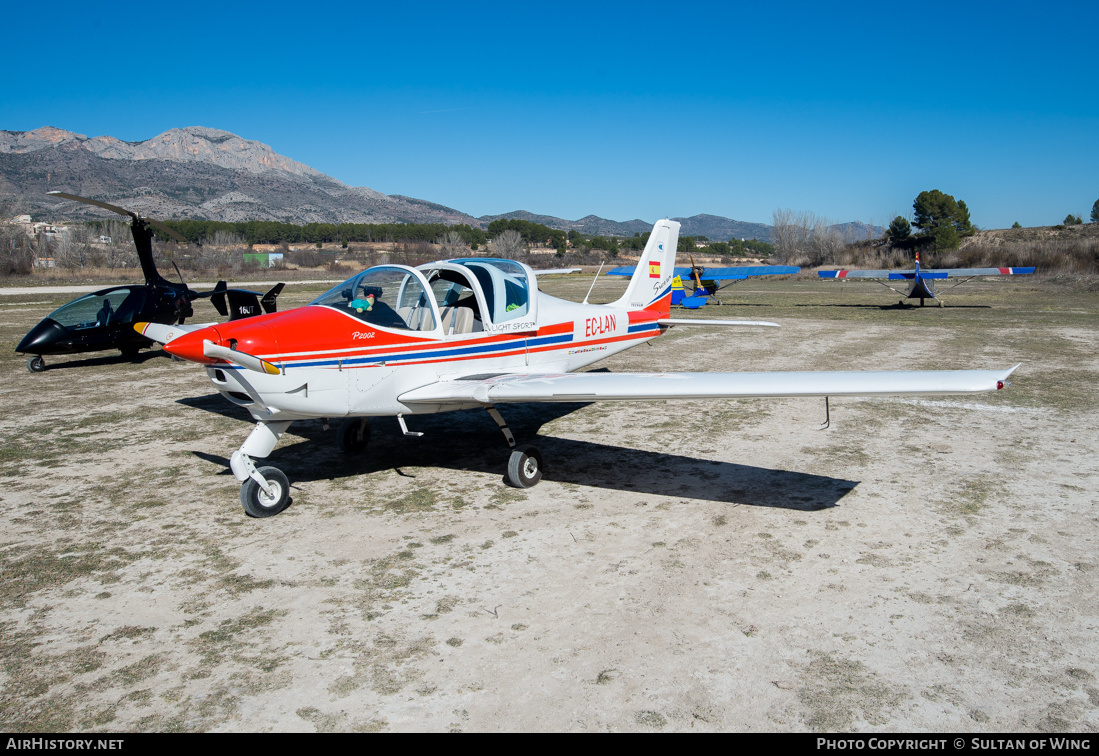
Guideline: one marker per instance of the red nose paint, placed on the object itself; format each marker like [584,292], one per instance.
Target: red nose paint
[189,345]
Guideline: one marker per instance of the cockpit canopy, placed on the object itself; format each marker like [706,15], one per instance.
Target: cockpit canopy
[460,296]
[118,305]
[506,285]
[391,296]
[500,294]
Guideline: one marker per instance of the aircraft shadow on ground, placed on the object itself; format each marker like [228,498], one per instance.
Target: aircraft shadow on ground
[108,359]
[893,306]
[899,306]
[468,440]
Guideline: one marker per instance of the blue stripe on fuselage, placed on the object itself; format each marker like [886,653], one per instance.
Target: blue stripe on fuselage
[431,354]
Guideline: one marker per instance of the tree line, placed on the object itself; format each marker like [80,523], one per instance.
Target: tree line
[223,233]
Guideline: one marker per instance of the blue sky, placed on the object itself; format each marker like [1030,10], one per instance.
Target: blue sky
[624,110]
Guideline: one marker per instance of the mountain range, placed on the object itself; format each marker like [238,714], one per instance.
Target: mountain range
[205,173]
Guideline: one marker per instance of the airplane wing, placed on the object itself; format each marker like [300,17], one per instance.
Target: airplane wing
[634,387]
[900,275]
[720,274]
[556,271]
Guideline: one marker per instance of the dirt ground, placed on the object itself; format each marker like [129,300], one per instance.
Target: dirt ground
[921,565]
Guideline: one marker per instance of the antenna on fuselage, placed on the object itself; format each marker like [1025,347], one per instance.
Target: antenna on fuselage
[593,282]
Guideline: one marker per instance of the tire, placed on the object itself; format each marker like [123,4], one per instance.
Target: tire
[129,350]
[524,467]
[348,438]
[36,364]
[256,503]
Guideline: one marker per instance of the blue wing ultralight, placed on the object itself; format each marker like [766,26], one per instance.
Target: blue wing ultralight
[721,274]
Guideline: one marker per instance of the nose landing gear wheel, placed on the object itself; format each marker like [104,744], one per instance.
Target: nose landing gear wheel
[524,467]
[258,503]
[36,364]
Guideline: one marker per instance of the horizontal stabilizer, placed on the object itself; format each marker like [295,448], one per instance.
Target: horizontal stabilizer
[635,387]
[704,322]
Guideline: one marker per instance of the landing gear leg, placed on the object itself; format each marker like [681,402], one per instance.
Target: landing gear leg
[525,463]
[36,364]
[501,424]
[265,491]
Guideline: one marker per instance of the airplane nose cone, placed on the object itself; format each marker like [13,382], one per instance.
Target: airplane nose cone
[40,338]
[189,345]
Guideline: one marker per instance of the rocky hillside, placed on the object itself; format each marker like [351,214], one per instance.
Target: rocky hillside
[210,174]
[194,172]
[713,227]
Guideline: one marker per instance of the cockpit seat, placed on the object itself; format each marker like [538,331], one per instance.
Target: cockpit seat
[457,320]
[418,318]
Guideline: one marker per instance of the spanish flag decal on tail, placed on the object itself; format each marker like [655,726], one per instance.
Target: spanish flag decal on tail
[654,261]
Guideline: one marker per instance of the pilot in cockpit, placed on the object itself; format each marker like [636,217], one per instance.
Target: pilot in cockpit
[104,314]
[370,307]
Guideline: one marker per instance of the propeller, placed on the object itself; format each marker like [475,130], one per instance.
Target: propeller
[694,272]
[245,360]
[164,332]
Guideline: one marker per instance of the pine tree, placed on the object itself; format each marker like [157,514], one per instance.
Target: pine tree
[899,229]
[941,217]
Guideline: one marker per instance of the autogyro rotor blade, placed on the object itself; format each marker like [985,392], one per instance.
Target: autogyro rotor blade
[121,211]
[97,203]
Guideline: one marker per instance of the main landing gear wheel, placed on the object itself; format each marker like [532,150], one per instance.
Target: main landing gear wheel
[36,364]
[257,502]
[353,435]
[524,467]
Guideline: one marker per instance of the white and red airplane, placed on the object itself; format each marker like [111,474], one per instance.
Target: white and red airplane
[468,333]
[920,281]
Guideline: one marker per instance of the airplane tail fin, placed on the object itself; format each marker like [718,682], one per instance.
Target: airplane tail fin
[217,298]
[650,288]
[268,301]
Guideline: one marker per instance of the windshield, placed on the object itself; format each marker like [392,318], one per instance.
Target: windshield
[99,309]
[505,285]
[385,296]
